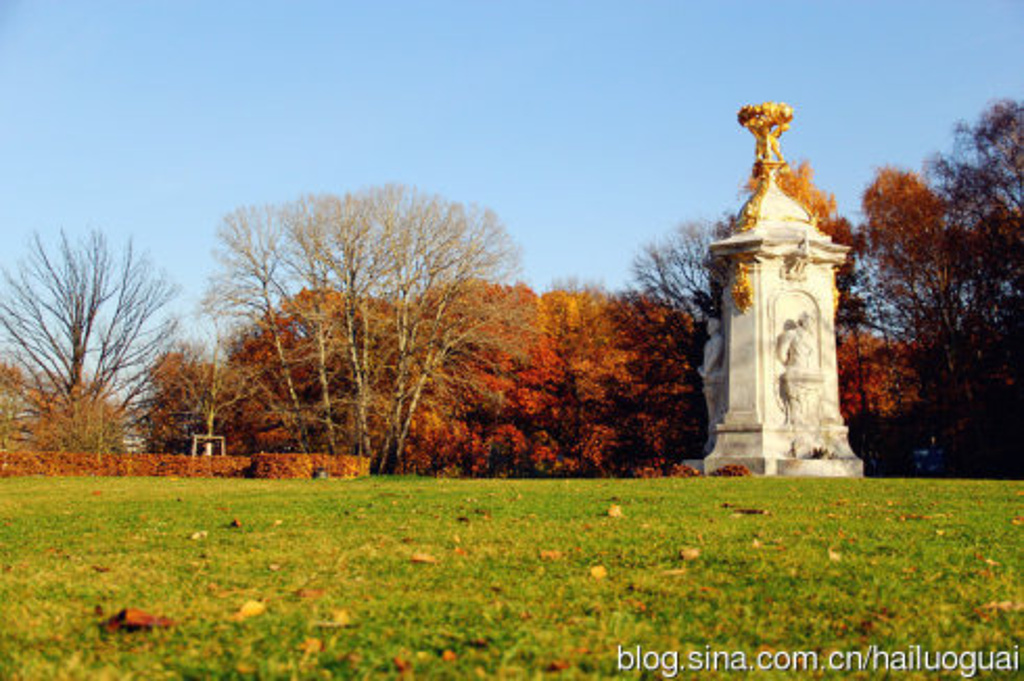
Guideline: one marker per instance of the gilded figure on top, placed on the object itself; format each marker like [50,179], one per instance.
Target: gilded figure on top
[767,122]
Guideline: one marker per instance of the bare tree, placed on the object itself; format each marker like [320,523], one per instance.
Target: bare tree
[438,254]
[254,284]
[678,271]
[386,286]
[84,324]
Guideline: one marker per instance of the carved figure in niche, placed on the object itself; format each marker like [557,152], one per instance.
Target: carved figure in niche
[799,385]
[711,371]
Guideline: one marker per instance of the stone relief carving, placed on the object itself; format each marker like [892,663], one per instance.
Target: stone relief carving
[713,373]
[800,382]
[794,264]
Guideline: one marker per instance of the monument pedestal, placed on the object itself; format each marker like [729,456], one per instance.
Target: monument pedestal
[770,371]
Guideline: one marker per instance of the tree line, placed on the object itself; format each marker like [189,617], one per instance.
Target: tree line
[388,323]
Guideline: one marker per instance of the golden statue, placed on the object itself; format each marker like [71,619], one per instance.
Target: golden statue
[767,122]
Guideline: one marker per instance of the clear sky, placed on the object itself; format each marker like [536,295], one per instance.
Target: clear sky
[590,127]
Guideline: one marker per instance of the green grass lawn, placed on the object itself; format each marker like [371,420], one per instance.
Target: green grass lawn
[833,565]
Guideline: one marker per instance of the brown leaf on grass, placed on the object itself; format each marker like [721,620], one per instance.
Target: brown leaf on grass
[449,656]
[749,511]
[246,668]
[133,619]
[403,666]
[756,544]
[101,568]
[614,511]
[423,558]
[551,555]
[689,553]
[340,619]
[834,556]
[198,535]
[459,551]
[557,666]
[987,561]
[235,523]
[1004,606]
[310,593]
[599,572]
[311,646]
[273,567]
[1019,520]
[249,609]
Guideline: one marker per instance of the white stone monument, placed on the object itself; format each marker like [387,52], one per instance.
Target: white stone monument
[770,375]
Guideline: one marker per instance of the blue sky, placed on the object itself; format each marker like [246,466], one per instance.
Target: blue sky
[590,127]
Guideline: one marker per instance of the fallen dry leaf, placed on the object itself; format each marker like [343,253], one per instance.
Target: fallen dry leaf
[339,620]
[310,593]
[273,567]
[101,568]
[459,551]
[674,573]
[1003,606]
[1019,520]
[599,572]
[311,646]
[423,558]
[614,511]
[834,556]
[987,561]
[249,609]
[557,666]
[551,555]
[749,511]
[689,553]
[449,656]
[278,523]
[756,544]
[235,523]
[133,619]
[403,666]
[198,535]
[246,668]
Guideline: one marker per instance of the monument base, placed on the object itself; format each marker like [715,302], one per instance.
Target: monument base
[821,468]
[793,468]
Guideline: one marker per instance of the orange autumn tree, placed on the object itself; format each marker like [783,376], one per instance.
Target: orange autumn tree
[13,408]
[599,388]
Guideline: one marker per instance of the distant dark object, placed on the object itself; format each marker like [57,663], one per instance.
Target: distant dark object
[321,474]
[930,461]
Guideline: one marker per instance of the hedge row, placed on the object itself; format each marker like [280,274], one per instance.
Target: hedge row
[14,464]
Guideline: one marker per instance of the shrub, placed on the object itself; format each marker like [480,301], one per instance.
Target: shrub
[732,470]
[279,466]
[681,470]
[14,464]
